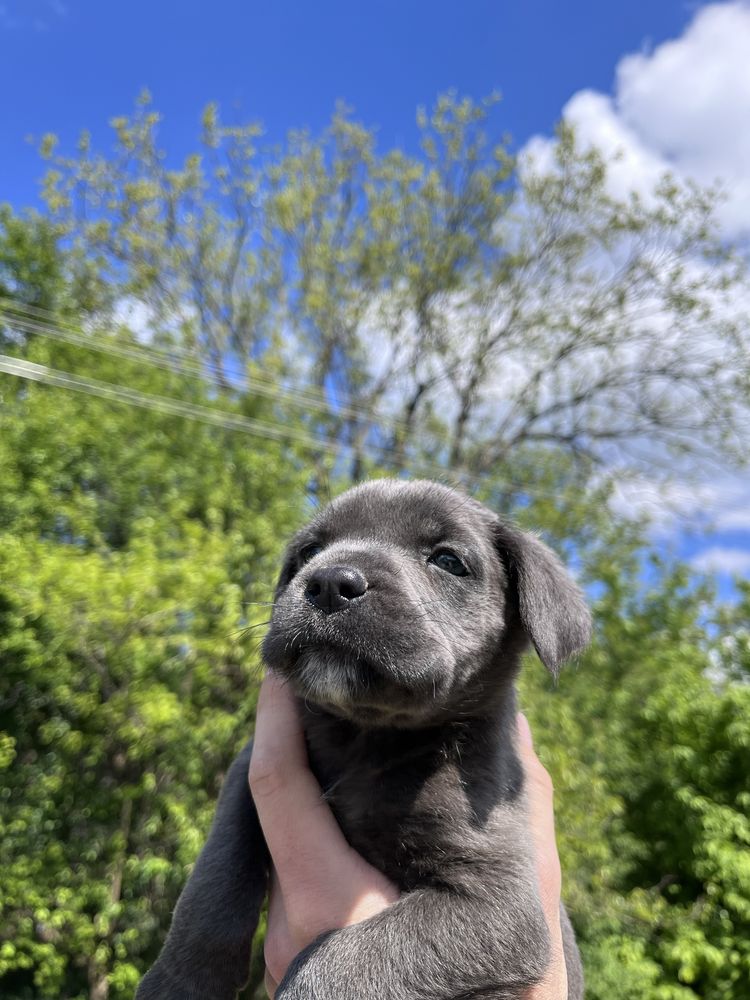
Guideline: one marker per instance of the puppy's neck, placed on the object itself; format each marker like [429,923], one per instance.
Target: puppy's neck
[408,798]
[479,747]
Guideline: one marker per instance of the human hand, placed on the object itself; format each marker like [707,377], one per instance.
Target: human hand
[540,794]
[318,881]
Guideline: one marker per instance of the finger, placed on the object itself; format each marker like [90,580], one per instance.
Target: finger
[270,985]
[303,837]
[278,729]
[525,739]
[542,820]
[278,947]
[539,783]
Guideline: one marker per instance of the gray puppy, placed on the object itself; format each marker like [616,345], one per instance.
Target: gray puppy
[401,614]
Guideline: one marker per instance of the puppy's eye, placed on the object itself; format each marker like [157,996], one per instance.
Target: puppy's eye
[449,561]
[309,552]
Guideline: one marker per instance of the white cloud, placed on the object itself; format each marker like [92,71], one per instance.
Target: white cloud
[730,502]
[718,504]
[735,519]
[663,504]
[683,107]
[632,165]
[723,559]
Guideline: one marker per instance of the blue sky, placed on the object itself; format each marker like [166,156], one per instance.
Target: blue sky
[70,64]
[664,82]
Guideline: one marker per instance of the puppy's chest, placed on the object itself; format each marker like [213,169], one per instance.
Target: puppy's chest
[407,820]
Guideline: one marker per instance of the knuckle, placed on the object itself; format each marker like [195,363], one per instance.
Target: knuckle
[270,985]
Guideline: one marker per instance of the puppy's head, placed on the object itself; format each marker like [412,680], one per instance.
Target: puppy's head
[407,603]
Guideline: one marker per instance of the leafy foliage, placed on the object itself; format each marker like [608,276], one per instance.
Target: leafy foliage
[650,761]
[126,685]
[484,308]
[134,547]
[138,543]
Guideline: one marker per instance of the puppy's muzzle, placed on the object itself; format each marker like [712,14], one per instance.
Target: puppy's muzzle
[334,588]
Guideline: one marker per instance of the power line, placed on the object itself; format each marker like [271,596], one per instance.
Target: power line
[194,411]
[164,360]
[113,392]
[162,404]
[181,361]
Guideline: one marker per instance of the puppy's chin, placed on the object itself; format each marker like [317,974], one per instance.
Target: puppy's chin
[352,690]
[327,679]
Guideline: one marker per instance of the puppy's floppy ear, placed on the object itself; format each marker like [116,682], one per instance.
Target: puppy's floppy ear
[552,608]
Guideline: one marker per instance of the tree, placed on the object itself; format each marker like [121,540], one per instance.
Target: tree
[138,550]
[454,312]
[457,308]
[649,756]
[30,263]
[126,687]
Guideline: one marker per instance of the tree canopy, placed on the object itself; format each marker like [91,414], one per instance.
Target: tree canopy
[194,354]
[475,307]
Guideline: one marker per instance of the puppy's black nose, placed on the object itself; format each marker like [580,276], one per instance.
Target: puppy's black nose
[333,588]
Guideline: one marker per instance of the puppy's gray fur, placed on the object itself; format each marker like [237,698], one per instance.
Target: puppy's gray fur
[409,707]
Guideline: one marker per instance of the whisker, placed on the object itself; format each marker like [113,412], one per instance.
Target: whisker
[249,628]
[246,629]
